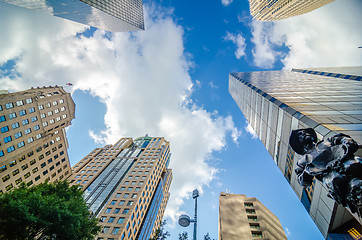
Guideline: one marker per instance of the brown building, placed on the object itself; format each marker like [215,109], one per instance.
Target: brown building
[267,10]
[245,218]
[126,185]
[33,145]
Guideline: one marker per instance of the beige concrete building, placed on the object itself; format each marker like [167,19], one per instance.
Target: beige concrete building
[270,10]
[245,218]
[33,145]
[126,185]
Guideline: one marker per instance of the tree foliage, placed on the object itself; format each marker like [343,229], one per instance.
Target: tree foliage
[46,211]
[161,234]
[183,236]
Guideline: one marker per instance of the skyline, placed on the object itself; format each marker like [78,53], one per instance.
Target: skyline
[171,81]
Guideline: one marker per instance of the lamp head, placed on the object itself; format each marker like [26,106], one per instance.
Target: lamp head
[184,220]
[195,194]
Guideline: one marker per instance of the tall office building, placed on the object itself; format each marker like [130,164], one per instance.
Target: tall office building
[329,100]
[110,15]
[126,185]
[267,10]
[33,145]
[245,218]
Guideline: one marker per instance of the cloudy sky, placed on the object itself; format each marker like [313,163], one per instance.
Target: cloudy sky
[171,80]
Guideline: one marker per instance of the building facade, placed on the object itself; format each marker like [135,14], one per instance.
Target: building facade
[270,10]
[110,15]
[245,218]
[33,144]
[126,185]
[329,100]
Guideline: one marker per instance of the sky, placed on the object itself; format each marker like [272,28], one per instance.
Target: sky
[171,80]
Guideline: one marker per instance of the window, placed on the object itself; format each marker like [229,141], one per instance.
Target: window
[25,166]
[8,139]
[21,144]
[15,125]
[3,168]
[27,131]
[111,219]
[108,210]
[9,105]
[36,127]
[61,101]
[1,153]
[116,210]
[55,103]
[5,178]
[113,202]
[38,136]
[247,204]
[56,111]
[58,119]
[32,162]
[130,203]
[4,129]
[134,195]
[29,100]
[115,230]
[252,218]
[62,108]
[22,112]
[42,115]
[257,234]
[41,107]
[105,229]
[49,105]
[126,195]
[125,211]
[31,139]
[50,113]
[18,134]
[45,124]
[31,110]
[34,119]
[12,115]
[19,103]
[121,203]
[35,170]
[45,172]
[65,115]
[1,108]
[27,175]
[25,122]
[120,220]
[250,211]
[16,172]
[2,119]
[51,121]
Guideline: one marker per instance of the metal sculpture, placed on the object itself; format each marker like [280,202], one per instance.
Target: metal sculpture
[331,161]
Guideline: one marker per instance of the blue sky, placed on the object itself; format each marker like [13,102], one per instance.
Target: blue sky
[171,80]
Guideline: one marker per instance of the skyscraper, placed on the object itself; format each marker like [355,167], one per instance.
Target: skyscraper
[111,15]
[126,185]
[329,100]
[267,10]
[244,218]
[33,145]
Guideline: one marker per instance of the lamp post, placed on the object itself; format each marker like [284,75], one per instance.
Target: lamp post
[185,220]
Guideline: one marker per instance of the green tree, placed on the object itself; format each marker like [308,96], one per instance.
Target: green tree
[160,232]
[183,236]
[207,237]
[46,211]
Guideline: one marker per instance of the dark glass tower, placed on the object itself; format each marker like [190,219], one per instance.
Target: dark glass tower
[329,100]
[110,15]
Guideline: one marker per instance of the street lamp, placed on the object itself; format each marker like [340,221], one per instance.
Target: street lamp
[184,220]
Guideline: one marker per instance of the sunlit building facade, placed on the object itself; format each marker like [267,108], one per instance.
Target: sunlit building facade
[329,100]
[110,15]
[33,144]
[270,10]
[246,218]
[126,186]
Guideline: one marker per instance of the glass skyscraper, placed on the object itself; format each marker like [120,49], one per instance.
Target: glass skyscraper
[110,15]
[126,185]
[329,100]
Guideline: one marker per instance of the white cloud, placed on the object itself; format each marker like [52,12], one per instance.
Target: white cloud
[142,77]
[212,85]
[239,41]
[251,130]
[287,232]
[226,2]
[328,36]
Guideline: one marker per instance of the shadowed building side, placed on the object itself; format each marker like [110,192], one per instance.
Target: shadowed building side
[245,218]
